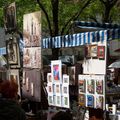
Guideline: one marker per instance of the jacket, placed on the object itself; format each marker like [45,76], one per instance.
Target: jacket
[10,110]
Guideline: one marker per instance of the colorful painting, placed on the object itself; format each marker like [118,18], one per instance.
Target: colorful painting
[99,102]
[90,86]
[99,86]
[81,84]
[82,99]
[56,68]
[101,52]
[90,101]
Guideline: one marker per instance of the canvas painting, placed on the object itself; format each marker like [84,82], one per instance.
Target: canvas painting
[58,100]
[65,89]
[32,29]
[90,101]
[50,88]
[99,102]
[57,89]
[101,52]
[31,89]
[65,79]
[50,100]
[99,86]
[81,84]
[49,78]
[82,99]
[91,86]
[93,51]
[13,51]
[27,57]
[66,101]
[56,68]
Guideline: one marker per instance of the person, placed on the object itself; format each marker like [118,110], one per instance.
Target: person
[9,107]
[61,115]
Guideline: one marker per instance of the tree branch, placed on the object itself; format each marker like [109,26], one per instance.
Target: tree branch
[75,16]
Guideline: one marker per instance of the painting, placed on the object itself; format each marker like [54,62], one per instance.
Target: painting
[66,101]
[65,79]
[90,86]
[81,84]
[90,101]
[12,51]
[57,89]
[32,29]
[58,100]
[31,86]
[82,99]
[93,51]
[49,78]
[99,102]
[101,52]
[10,22]
[99,86]
[65,89]
[56,70]
[50,100]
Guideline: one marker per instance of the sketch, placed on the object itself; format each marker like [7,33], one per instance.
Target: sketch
[65,79]
[93,51]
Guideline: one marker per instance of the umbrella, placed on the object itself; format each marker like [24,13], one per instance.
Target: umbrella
[115,64]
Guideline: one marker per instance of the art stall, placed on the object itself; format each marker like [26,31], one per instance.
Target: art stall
[89,83]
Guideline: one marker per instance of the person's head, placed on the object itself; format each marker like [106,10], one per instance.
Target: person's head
[62,116]
[9,89]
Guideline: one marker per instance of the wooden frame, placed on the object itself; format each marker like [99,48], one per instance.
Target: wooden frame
[12,49]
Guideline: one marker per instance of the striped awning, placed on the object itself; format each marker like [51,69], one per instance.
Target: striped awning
[98,25]
[78,39]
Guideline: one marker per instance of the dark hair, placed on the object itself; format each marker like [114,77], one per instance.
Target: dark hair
[8,89]
[62,116]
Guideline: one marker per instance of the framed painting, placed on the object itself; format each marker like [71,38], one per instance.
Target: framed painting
[101,52]
[56,70]
[10,22]
[65,79]
[99,102]
[66,102]
[50,99]
[91,86]
[90,101]
[81,85]
[49,78]
[99,86]
[93,51]
[58,100]
[57,89]
[65,89]
[12,49]
[82,99]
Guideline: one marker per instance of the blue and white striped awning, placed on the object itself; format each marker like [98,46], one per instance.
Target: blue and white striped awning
[98,25]
[80,38]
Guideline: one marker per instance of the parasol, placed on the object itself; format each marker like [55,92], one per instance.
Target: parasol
[115,64]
